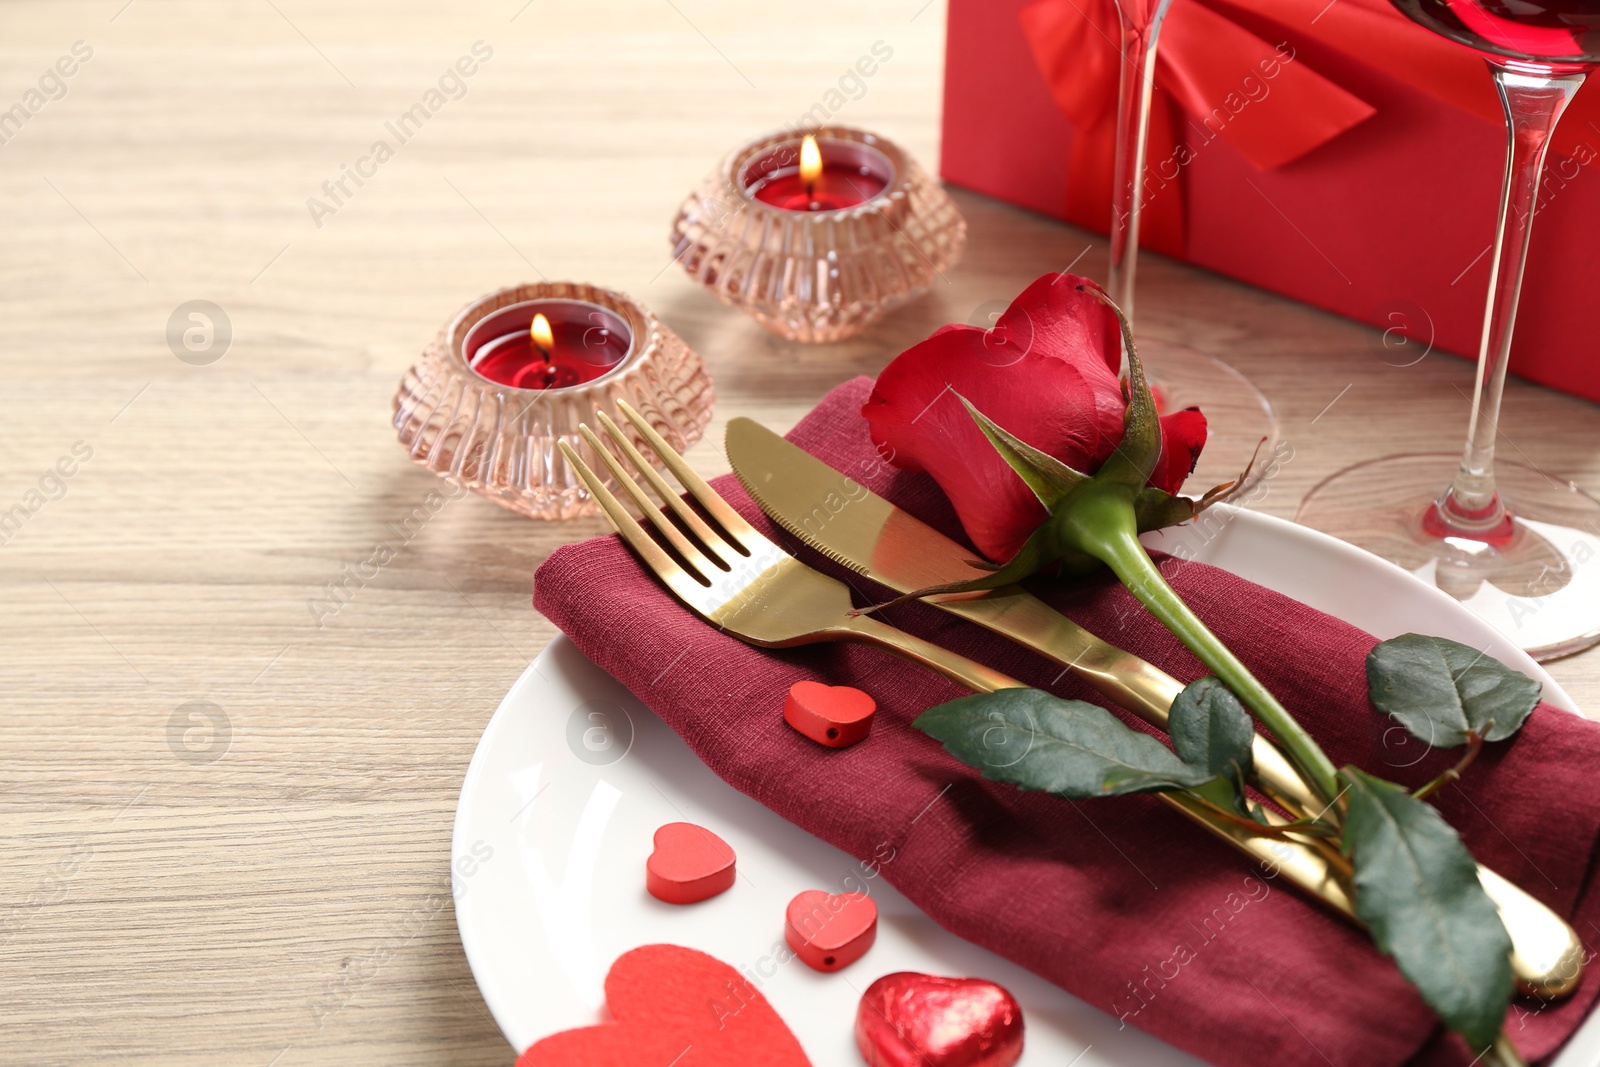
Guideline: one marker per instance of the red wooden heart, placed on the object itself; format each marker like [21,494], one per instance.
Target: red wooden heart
[689,864]
[921,1020]
[832,715]
[673,1005]
[830,932]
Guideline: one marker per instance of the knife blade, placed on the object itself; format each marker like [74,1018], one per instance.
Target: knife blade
[839,517]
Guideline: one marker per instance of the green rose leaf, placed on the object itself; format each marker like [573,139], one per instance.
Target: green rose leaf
[1038,741]
[1211,729]
[1417,890]
[1443,692]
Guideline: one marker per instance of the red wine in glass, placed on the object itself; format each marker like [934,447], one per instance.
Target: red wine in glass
[1543,33]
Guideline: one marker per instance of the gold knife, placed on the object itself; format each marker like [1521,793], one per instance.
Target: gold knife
[842,519]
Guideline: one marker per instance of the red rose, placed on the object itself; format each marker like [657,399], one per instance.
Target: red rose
[1047,373]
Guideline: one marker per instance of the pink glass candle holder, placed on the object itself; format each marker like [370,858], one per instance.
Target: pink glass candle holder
[818,258]
[493,393]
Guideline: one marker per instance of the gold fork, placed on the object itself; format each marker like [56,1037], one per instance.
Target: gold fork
[744,583]
[737,578]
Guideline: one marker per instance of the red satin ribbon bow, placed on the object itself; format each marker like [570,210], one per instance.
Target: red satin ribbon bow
[1217,79]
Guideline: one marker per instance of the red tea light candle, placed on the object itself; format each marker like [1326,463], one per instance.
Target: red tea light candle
[813,175]
[547,344]
[817,237]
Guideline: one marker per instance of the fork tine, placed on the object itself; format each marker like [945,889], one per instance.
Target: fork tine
[626,525]
[668,495]
[707,497]
[697,559]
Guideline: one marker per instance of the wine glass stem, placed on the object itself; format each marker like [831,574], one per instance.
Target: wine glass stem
[1141,27]
[1533,103]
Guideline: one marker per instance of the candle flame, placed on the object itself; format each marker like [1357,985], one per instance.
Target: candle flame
[810,160]
[542,338]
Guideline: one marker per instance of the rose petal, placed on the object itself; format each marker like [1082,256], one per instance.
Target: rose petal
[1073,324]
[1183,435]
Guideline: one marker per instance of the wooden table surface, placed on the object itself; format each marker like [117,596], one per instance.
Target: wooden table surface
[269,892]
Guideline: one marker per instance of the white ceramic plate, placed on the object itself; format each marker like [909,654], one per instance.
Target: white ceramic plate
[573,776]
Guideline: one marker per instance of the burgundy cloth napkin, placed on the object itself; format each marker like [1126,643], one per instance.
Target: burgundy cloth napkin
[1119,901]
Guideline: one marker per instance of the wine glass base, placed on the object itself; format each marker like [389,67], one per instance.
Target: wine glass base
[1541,587]
[1239,418]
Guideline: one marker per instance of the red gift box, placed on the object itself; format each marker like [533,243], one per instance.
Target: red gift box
[1332,152]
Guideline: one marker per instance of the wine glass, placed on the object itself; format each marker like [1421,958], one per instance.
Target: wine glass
[1515,545]
[1239,418]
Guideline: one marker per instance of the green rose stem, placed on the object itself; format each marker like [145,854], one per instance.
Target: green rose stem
[1102,523]
[1101,518]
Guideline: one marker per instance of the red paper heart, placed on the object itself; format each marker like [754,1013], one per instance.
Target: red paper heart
[689,864]
[830,932]
[921,1020]
[673,1005]
[832,715]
